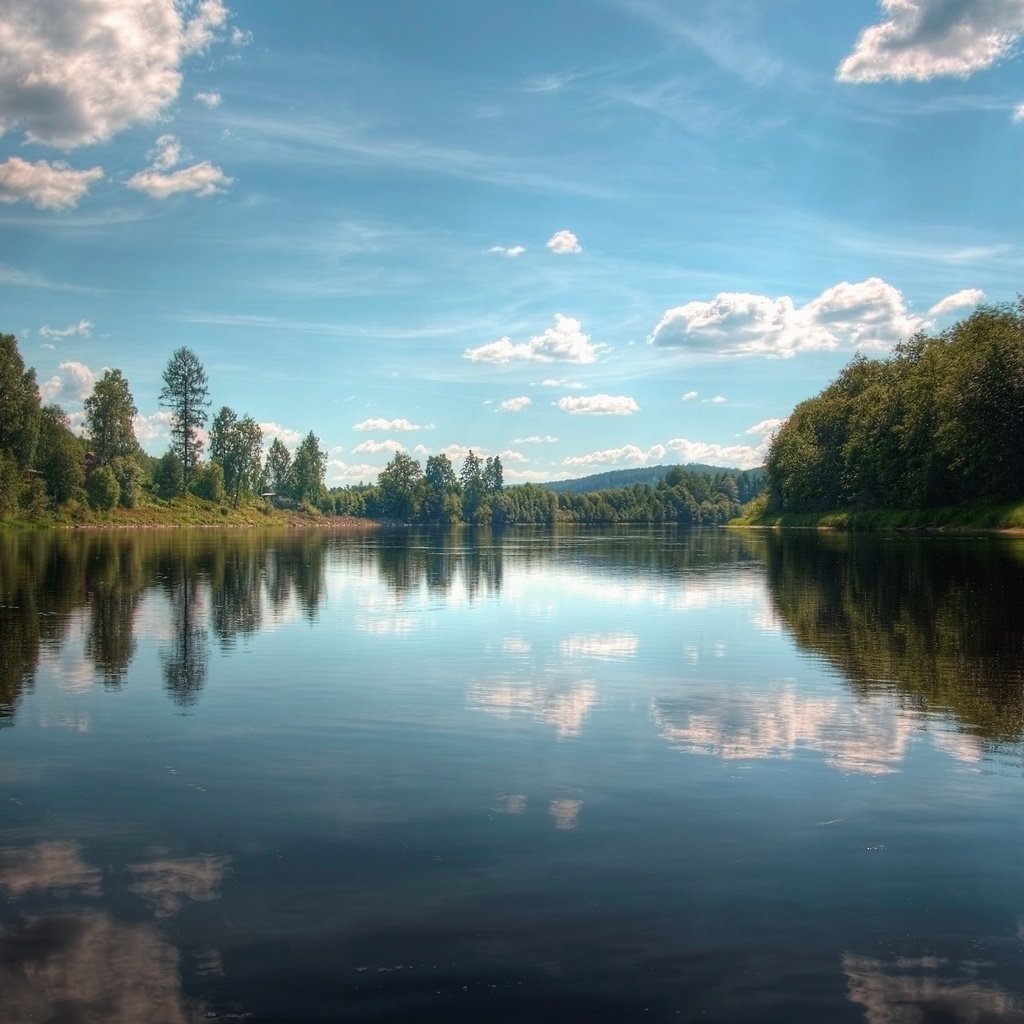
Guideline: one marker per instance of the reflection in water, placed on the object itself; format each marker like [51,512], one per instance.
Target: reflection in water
[937,620]
[867,738]
[923,989]
[83,964]
[186,660]
[165,884]
[567,711]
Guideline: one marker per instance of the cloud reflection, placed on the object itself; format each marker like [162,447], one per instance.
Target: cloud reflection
[567,711]
[166,884]
[913,990]
[56,865]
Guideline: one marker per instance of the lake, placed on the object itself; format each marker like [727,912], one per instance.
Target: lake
[538,776]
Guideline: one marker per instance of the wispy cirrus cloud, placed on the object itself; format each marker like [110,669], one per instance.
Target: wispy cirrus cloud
[924,39]
[82,329]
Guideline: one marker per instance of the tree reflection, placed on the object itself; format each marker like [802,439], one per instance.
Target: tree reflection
[186,661]
[935,619]
[114,582]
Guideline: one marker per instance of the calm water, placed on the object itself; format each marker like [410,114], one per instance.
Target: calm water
[600,776]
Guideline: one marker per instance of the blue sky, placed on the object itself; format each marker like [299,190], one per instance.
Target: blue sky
[577,234]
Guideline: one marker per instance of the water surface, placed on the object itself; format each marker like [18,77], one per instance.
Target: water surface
[538,776]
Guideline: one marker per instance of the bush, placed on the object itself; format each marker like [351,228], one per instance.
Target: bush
[103,489]
[129,479]
[208,482]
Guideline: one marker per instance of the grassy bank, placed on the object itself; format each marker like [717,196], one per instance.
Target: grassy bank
[188,511]
[952,517]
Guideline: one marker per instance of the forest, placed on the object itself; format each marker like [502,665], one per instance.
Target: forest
[938,423]
[48,471]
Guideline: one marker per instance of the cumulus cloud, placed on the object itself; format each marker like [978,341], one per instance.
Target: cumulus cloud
[376,447]
[203,179]
[689,396]
[764,428]
[564,341]
[511,251]
[153,428]
[535,439]
[73,382]
[717,400]
[381,424]
[923,39]
[868,314]
[208,99]
[165,153]
[679,449]
[77,72]
[47,186]
[599,405]
[1018,114]
[274,431]
[563,243]
[515,404]
[339,473]
[82,330]
[958,300]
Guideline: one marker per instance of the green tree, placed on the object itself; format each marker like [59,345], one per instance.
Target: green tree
[59,456]
[401,487]
[168,476]
[104,491]
[471,479]
[237,446]
[208,482]
[109,414]
[306,478]
[441,498]
[186,394]
[279,464]
[19,405]
[493,475]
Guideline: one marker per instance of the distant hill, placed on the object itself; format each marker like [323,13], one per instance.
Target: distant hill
[641,475]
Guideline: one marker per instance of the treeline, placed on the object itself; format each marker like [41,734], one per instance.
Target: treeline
[45,466]
[410,493]
[939,423]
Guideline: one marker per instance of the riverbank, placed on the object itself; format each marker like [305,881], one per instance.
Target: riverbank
[1004,518]
[187,512]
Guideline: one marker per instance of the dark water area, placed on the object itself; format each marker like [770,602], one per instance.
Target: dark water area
[633,774]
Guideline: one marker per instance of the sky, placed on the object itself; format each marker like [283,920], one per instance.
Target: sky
[579,235]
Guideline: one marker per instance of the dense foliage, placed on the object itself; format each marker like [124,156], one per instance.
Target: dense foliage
[941,422]
[45,467]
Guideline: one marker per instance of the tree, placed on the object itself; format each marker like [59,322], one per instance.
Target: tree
[186,394]
[208,482]
[237,446]
[279,464]
[471,478]
[109,412]
[59,456]
[168,476]
[306,479]
[493,475]
[103,488]
[441,502]
[401,487]
[19,405]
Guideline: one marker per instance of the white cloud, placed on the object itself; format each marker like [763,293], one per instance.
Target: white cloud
[922,39]
[958,300]
[765,428]
[563,243]
[339,473]
[79,71]
[868,314]
[568,385]
[376,447]
[82,330]
[1018,114]
[153,429]
[717,400]
[203,179]
[71,384]
[381,424]
[511,251]
[682,451]
[208,99]
[165,153]
[240,37]
[274,431]
[515,404]
[689,396]
[599,405]
[535,439]
[564,341]
[47,186]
